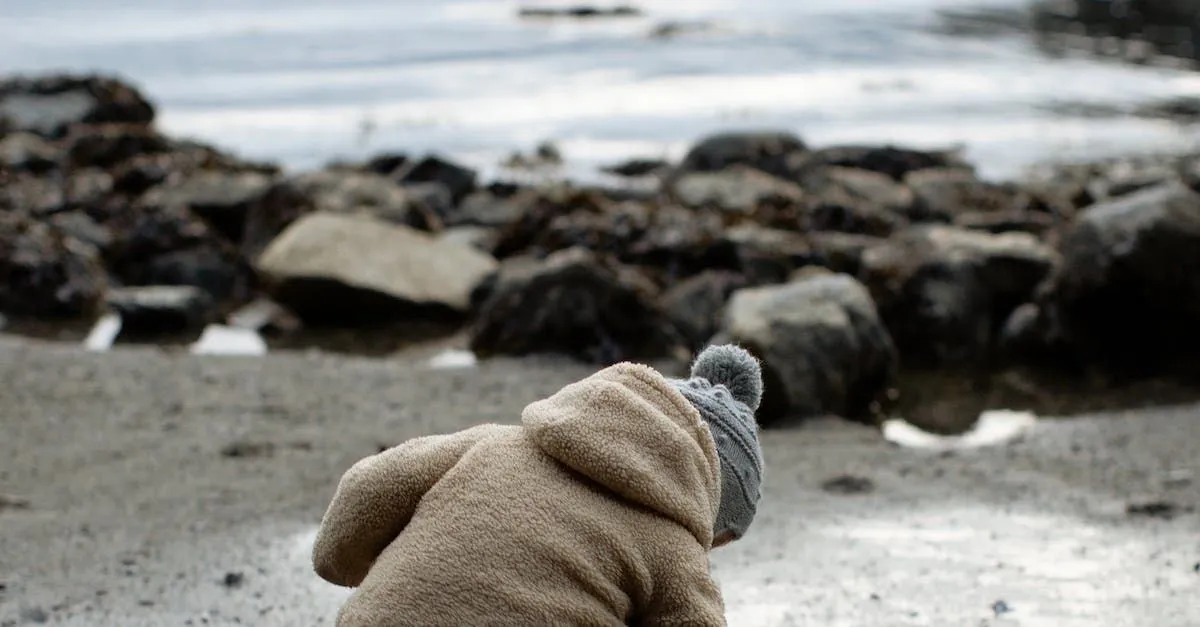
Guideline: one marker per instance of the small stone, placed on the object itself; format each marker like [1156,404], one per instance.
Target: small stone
[35,615]
[1001,607]
[1153,509]
[244,449]
[233,580]
[848,484]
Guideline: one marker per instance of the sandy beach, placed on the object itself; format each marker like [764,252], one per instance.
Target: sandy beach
[144,487]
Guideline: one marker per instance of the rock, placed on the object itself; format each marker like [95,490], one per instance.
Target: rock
[766,255]
[841,252]
[169,245]
[576,303]
[479,237]
[45,273]
[106,146]
[222,199]
[49,106]
[943,193]
[432,169]
[578,12]
[218,270]
[694,305]
[737,190]
[144,171]
[944,292]
[82,227]
[280,205]
[676,242]
[27,152]
[88,190]
[531,232]
[157,309]
[487,209]
[766,151]
[386,163]
[328,267]
[358,193]
[855,201]
[633,168]
[892,161]
[1126,294]
[1032,222]
[823,347]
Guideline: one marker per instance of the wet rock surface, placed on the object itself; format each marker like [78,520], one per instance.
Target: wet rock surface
[1075,265]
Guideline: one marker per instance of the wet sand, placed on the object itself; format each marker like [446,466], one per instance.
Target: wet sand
[144,487]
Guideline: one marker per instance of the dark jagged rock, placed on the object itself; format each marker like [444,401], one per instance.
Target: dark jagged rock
[766,255]
[574,303]
[106,146]
[893,161]
[767,151]
[940,194]
[944,292]
[841,252]
[170,245]
[459,180]
[280,205]
[1126,294]
[44,272]
[222,199]
[855,201]
[694,305]
[823,347]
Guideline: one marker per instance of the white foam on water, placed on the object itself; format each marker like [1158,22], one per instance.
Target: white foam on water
[232,341]
[103,333]
[452,359]
[992,428]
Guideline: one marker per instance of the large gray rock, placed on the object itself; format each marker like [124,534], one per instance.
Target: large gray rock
[336,268]
[944,292]
[1128,290]
[574,302]
[823,346]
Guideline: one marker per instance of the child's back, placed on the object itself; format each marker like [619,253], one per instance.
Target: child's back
[598,509]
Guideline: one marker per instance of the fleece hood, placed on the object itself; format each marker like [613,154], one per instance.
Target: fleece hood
[628,429]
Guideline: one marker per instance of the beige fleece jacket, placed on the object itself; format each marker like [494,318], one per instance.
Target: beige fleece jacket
[596,510]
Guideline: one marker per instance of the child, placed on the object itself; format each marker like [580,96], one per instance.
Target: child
[598,509]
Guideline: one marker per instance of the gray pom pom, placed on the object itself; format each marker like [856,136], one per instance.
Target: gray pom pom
[734,368]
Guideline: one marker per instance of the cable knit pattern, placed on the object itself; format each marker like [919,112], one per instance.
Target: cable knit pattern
[597,509]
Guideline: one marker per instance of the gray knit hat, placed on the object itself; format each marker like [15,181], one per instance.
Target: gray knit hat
[726,387]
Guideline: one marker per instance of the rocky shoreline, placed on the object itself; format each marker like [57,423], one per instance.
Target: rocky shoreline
[841,266]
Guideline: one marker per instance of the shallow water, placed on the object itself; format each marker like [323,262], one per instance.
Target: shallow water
[307,82]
